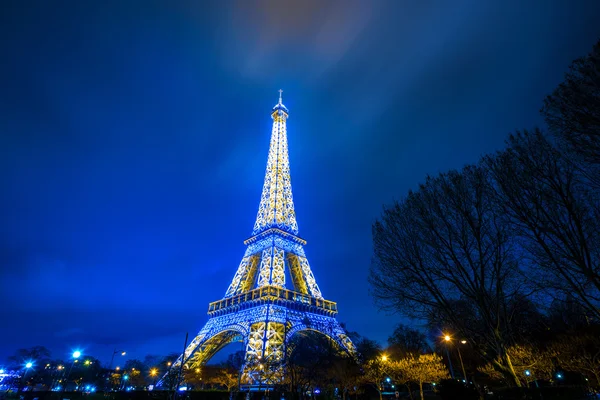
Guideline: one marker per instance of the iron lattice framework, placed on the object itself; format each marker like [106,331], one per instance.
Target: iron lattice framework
[258,308]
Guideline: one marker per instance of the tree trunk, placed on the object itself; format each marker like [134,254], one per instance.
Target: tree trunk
[409,391]
[597,378]
[379,391]
[506,368]
[421,390]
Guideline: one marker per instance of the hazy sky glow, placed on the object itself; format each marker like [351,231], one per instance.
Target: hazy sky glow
[134,139]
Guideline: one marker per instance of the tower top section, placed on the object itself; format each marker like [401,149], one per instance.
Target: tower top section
[276,208]
[279,106]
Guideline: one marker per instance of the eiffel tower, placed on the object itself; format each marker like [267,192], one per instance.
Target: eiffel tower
[260,308]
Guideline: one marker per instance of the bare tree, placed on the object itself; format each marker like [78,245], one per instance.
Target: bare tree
[406,340]
[446,245]
[555,215]
[572,111]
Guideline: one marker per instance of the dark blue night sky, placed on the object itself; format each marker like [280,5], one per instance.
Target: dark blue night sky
[134,139]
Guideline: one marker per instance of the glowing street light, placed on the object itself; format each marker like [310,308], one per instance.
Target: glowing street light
[1,371]
[384,358]
[153,372]
[527,372]
[28,366]
[76,354]
[447,338]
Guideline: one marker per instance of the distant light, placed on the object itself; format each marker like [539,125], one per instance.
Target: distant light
[123,353]
[87,387]
[527,372]
[393,386]
[447,338]
[118,368]
[183,388]
[433,383]
[125,377]
[559,375]
[317,391]
[76,354]
[1,371]
[388,379]
[93,389]
[29,365]
[463,341]
[384,358]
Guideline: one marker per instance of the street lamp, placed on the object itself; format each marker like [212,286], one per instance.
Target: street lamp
[153,373]
[384,358]
[76,354]
[462,365]
[447,338]
[115,351]
[28,366]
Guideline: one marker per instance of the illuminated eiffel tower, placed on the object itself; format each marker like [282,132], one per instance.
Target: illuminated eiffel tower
[260,308]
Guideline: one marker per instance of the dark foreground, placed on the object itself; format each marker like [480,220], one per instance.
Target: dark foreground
[547,393]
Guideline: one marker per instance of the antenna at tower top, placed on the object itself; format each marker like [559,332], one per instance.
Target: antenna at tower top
[280,92]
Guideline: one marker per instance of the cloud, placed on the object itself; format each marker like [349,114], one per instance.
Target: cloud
[313,35]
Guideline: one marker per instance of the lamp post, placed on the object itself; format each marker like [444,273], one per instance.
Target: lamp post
[461,360]
[28,366]
[76,354]
[447,338]
[112,359]
[153,373]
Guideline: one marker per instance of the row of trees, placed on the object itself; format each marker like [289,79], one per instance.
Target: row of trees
[493,252]
[87,372]
[313,363]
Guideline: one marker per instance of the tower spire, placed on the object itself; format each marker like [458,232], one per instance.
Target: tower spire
[276,208]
